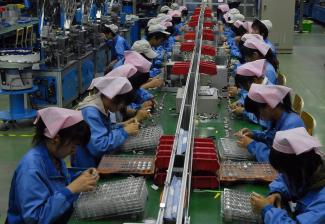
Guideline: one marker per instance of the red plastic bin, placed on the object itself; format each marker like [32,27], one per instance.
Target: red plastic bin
[204,182]
[208,24]
[180,68]
[205,149]
[189,36]
[193,23]
[208,36]
[162,162]
[208,50]
[187,46]
[208,68]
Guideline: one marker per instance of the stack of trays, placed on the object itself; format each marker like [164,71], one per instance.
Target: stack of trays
[229,150]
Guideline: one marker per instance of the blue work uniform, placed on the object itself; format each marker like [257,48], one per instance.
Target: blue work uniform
[119,63]
[310,208]
[141,96]
[119,46]
[105,138]
[270,73]
[268,42]
[38,192]
[263,140]
[178,28]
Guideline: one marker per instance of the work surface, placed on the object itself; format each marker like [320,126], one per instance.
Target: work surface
[16,26]
[204,207]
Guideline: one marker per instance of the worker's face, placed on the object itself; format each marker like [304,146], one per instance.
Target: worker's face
[255,56]
[266,113]
[62,150]
[255,30]
[109,36]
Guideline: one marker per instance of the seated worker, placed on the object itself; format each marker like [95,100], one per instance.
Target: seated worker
[247,74]
[298,158]
[174,6]
[221,10]
[177,21]
[254,49]
[164,9]
[137,79]
[270,103]
[108,95]
[42,190]
[116,42]
[263,28]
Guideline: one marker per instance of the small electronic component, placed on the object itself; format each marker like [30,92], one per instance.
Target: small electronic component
[115,198]
[231,171]
[131,164]
[229,149]
[236,206]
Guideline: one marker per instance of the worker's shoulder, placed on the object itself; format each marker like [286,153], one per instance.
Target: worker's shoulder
[33,159]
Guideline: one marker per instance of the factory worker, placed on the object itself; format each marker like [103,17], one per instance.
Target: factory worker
[254,49]
[108,95]
[271,103]
[117,42]
[184,11]
[164,9]
[174,6]
[137,79]
[247,74]
[263,27]
[177,21]
[222,9]
[298,158]
[42,190]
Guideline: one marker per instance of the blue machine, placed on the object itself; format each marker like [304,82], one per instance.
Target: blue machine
[56,87]
[101,62]
[86,69]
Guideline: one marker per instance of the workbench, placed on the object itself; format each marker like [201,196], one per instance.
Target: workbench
[204,207]
[14,27]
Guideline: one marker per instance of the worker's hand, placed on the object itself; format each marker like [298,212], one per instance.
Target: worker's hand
[245,131]
[157,82]
[243,141]
[232,91]
[85,182]
[147,105]
[132,120]
[237,39]
[132,128]
[258,202]
[275,199]
[238,110]
[142,114]
[233,105]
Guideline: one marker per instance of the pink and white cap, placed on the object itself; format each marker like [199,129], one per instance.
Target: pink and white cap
[175,13]
[257,44]
[238,23]
[56,118]
[223,8]
[248,26]
[182,8]
[126,70]
[269,94]
[254,68]
[166,24]
[247,36]
[296,141]
[137,60]
[112,86]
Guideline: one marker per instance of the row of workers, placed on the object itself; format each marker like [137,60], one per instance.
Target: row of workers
[43,189]
[283,140]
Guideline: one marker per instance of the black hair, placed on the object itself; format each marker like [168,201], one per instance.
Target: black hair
[238,31]
[244,82]
[78,133]
[262,29]
[233,5]
[107,30]
[254,107]
[125,99]
[171,30]
[157,35]
[298,169]
[138,79]
[184,12]
[177,20]
[270,57]
[146,31]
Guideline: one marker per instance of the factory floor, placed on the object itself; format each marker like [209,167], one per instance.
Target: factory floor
[304,69]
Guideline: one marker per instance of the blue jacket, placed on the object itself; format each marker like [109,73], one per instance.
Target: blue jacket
[309,209]
[38,192]
[268,42]
[270,73]
[178,28]
[105,138]
[141,96]
[119,46]
[263,140]
[119,63]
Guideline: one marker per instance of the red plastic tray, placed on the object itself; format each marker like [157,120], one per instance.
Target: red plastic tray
[193,23]
[208,36]
[189,36]
[208,50]
[180,68]
[208,68]
[208,24]
[187,46]
[198,182]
